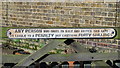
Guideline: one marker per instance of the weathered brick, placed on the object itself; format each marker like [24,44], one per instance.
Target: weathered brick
[86,9]
[112,5]
[98,22]
[98,13]
[109,23]
[111,14]
[87,13]
[104,14]
[58,7]
[118,19]
[109,19]
[82,21]
[98,18]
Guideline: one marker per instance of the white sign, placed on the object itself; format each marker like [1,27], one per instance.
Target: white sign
[62,33]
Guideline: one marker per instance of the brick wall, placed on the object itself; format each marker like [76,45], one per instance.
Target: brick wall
[61,14]
[67,13]
[118,14]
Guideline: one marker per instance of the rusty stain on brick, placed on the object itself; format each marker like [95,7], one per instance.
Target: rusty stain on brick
[49,22]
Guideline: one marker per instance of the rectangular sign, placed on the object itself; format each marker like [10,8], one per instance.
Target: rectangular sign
[62,33]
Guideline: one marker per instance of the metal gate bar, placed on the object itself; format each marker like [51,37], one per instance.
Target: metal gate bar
[39,53]
[79,48]
[65,57]
[81,57]
[99,64]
